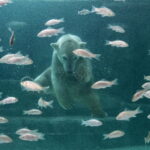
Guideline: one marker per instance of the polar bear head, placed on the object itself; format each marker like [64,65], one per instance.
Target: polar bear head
[64,47]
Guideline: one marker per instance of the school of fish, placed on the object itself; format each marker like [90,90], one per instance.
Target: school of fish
[27,134]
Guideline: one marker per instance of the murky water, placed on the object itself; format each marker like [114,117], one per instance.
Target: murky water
[62,128]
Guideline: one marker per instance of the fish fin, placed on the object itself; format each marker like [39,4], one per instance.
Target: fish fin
[34,131]
[138,111]
[83,122]
[134,116]
[107,42]
[62,19]
[25,112]
[126,109]
[115,82]
[45,88]
[93,9]
[42,136]
[10,30]
[128,119]
[109,26]
[105,136]
[50,104]
[49,36]
[61,30]
[98,57]
[26,78]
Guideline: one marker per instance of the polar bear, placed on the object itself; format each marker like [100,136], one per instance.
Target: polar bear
[70,77]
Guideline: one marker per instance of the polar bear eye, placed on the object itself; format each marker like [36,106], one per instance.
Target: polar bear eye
[75,58]
[64,57]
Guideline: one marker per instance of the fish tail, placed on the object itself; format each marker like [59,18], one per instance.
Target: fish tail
[50,104]
[138,111]
[115,82]
[45,88]
[105,136]
[83,122]
[40,135]
[25,112]
[10,29]
[62,19]
[93,9]
[107,42]
[34,131]
[61,30]
[97,57]
[109,26]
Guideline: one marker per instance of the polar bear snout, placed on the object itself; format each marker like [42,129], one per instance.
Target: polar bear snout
[69,69]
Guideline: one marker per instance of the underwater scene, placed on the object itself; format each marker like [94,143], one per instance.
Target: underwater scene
[74,74]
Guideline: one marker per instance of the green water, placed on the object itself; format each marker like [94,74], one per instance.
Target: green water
[62,128]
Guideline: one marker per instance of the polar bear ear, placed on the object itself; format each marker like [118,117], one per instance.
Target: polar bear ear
[54,46]
[82,45]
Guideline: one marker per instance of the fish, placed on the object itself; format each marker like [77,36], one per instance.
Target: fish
[86,54]
[147,138]
[32,86]
[146,86]
[92,123]
[32,112]
[147,78]
[138,95]
[114,134]
[4,2]
[3,120]
[25,130]
[117,43]
[127,114]
[8,56]
[12,37]
[84,12]
[54,22]
[21,60]
[104,84]
[49,32]
[103,11]
[16,59]
[44,104]
[147,94]
[8,100]
[32,136]
[16,24]
[116,28]
[5,139]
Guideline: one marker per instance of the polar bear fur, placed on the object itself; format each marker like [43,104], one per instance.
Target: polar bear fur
[70,77]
